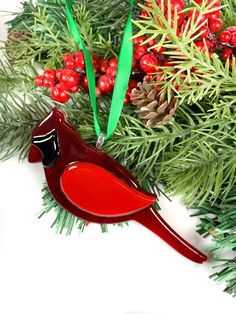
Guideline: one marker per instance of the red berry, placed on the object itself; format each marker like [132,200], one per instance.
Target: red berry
[60,93]
[139,51]
[98,92]
[68,56]
[178,4]
[200,45]
[204,45]
[214,15]
[79,60]
[209,44]
[39,80]
[159,50]
[149,63]
[178,33]
[84,82]
[48,82]
[127,100]
[227,53]
[225,36]
[233,39]
[74,89]
[96,61]
[144,14]
[148,4]
[180,18]
[59,73]
[204,31]
[104,65]
[49,73]
[196,16]
[70,64]
[69,61]
[151,43]
[133,83]
[113,62]
[215,24]
[111,72]
[104,84]
[69,77]
[134,63]
[138,40]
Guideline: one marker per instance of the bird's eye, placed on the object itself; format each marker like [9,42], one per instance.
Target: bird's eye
[49,147]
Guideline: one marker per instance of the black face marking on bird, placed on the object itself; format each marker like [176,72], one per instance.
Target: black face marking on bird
[49,147]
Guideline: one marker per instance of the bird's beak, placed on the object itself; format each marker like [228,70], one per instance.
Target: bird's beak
[34,155]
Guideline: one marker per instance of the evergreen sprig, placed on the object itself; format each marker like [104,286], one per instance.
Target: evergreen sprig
[218,221]
[48,38]
[192,73]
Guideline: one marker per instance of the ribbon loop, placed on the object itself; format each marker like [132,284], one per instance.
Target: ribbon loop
[123,71]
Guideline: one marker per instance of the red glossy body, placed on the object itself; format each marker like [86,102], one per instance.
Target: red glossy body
[97,191]
[74,149]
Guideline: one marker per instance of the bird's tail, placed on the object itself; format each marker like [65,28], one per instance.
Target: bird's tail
[152,220]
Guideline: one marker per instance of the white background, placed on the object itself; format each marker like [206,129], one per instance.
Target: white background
[127,271]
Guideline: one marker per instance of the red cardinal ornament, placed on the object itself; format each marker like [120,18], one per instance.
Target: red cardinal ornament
[92,186]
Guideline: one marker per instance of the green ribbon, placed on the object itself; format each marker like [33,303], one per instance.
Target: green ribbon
[123,71]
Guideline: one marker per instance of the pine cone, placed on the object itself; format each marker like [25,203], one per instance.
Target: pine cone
[154,107]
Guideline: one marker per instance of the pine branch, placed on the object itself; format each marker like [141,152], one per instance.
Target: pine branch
[229,13]
[11,77]
[19,114]
[218,221]
[192,74]
[210,150]
[48,38]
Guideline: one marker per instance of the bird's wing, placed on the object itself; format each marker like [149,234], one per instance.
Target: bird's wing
[99,192]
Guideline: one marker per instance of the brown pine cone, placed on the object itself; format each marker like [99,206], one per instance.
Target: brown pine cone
[154,107]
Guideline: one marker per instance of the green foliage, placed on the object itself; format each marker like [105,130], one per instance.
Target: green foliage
[229,13]
[48,37]
[192,73]
[219,221]
[64,220]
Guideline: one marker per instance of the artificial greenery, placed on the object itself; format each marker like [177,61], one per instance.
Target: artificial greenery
[47,36]
[218,221]
[193,155]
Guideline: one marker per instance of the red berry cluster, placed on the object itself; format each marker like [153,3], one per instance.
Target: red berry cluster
[61,82]
[147,59]
[207,40]
[64,81]
[227,40]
